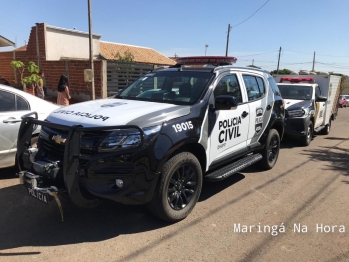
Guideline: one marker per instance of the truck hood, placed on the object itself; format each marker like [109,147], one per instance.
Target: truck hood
[291,104]
[114,112]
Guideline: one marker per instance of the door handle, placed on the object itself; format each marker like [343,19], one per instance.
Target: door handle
[244,114]
[7,121]
[268,107]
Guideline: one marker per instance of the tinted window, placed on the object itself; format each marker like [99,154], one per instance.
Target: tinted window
[317,91]
[7,102]
[274,86]
[254,87]
[296,92]
[22,104]
[228,85]
[175,87]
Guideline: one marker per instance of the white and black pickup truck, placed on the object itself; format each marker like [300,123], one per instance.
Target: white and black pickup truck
[310,104]
[156,141]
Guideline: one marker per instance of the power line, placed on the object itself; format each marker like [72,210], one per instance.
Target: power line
[313,53]
[259,54]
[252,14]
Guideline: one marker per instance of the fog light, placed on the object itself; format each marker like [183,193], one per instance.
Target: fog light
[119,183]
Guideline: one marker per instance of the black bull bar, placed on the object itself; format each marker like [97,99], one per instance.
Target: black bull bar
[71,152]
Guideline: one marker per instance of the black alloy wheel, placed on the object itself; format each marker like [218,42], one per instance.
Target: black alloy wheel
[270,152]
[273,149]
[178,188]
[182,187]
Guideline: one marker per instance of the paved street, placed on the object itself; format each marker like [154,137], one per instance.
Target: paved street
[308,190]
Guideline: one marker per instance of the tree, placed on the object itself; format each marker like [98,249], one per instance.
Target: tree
[32,68]
[282,72]
[254,66]
[124,66]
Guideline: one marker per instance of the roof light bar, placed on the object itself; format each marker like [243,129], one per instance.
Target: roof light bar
[203,60]
[297,79]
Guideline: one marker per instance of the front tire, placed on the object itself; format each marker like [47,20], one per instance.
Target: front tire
[271,150]
[178,188]
[305,141]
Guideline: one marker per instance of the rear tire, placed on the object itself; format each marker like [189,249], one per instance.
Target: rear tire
[271,150]
[305,141]
[178,188]
[327,129]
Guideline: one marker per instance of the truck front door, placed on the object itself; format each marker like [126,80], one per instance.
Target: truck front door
[229,127]
[320,108]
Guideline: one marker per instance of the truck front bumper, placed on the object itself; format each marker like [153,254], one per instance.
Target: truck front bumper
[123,177]
[296,127]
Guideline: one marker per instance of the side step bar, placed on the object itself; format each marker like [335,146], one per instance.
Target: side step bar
[233,168]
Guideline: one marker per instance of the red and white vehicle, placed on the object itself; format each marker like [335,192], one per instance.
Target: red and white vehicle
[343,101]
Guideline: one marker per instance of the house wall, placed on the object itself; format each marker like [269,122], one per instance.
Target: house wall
[73,68]
[69,44]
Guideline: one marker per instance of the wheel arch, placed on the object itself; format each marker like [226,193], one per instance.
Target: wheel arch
[196,149]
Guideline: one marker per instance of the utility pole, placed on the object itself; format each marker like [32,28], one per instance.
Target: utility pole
[206,48]
[313,63]
[226,49]
[91,50]
[277,70]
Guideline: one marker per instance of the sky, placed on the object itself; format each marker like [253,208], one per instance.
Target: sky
[259,28]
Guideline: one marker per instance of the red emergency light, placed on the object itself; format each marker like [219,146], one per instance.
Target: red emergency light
[204,60]
[297,79]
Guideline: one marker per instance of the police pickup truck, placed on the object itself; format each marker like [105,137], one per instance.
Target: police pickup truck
[157,140]
[310,104]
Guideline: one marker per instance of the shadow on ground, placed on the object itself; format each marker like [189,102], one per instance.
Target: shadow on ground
[26,221]
[337,156]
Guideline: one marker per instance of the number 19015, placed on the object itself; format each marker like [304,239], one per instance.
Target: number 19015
[183,126]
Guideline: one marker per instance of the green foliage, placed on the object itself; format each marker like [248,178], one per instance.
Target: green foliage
[125,70]
[32,68]
[127,57]
[254,66]
[281,72]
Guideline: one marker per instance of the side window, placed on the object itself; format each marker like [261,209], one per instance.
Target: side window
[228,85]
[274,86]
[317,91]
[7,102]
[21,104]
[254,87]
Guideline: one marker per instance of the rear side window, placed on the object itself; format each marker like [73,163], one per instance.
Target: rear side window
[274,86]
[21,104]
[7,102]
[254,87]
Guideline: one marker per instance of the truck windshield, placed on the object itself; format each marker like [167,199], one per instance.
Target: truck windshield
[296,92]
[174,87]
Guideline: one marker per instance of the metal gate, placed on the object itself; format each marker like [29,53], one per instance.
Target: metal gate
[122,74]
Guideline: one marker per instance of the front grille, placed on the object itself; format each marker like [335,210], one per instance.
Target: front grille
[89,143]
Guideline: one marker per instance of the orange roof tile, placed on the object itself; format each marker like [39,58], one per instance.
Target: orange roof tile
[140,54]
[22,48]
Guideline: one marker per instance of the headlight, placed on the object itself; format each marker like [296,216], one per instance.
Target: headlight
[128,138]
[296,113]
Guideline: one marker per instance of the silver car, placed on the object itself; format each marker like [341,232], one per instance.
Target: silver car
[13,104]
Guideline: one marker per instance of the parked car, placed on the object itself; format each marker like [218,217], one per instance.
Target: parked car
[155,147]
[346,98]
[13,104]
[343,102]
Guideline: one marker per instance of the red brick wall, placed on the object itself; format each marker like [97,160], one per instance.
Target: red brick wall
[74,69]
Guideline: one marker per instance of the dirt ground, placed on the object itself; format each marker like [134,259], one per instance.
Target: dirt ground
[303,201]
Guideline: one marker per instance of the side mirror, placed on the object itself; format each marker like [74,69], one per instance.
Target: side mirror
[225,102]
[320,99]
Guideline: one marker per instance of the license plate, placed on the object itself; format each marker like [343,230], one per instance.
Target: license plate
[43,197]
